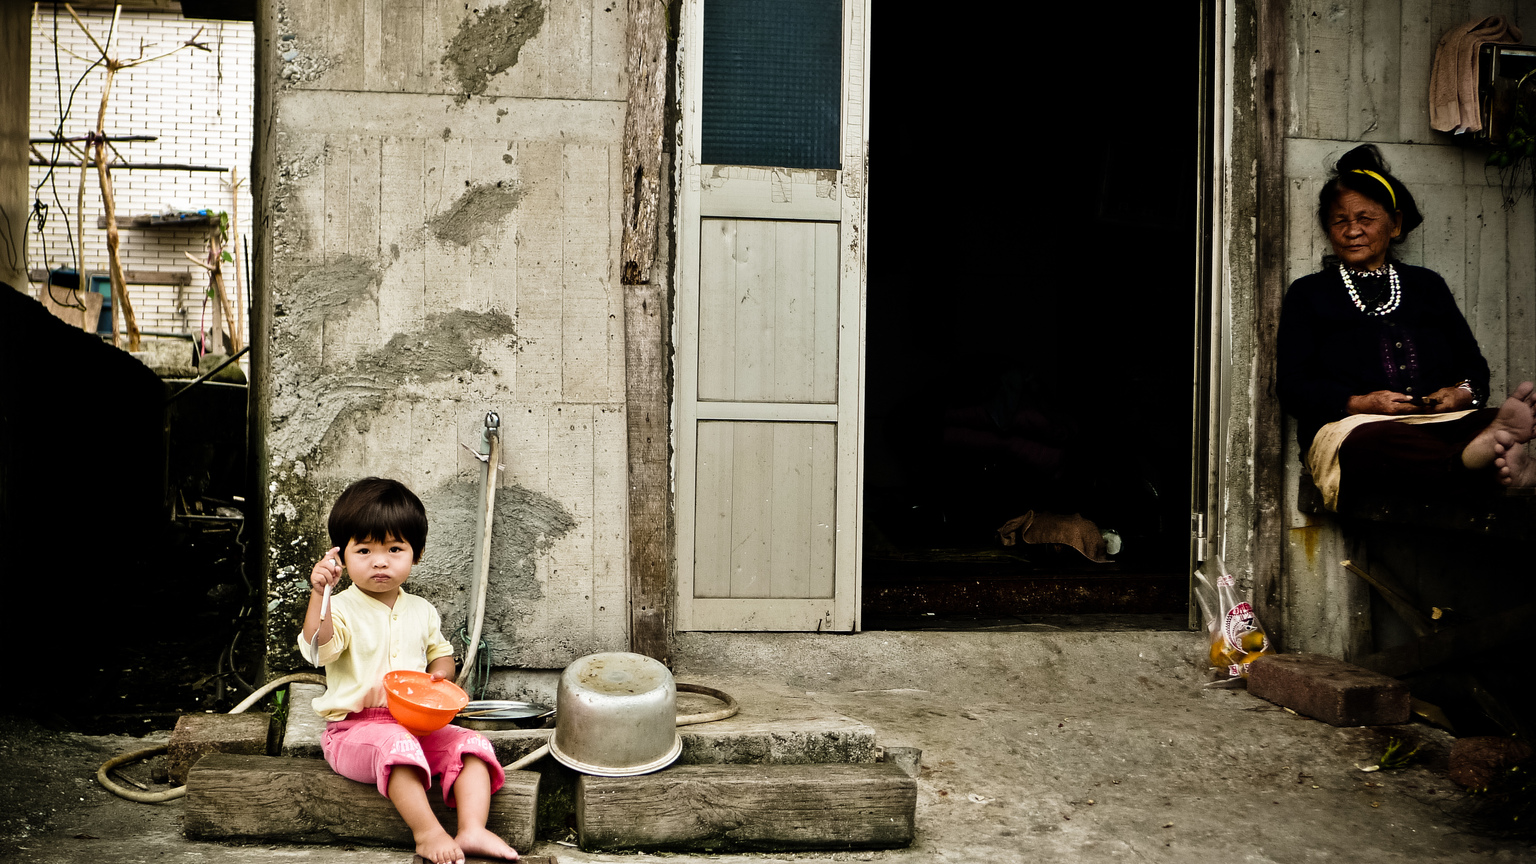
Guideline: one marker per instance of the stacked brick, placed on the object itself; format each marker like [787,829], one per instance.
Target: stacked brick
[199,104]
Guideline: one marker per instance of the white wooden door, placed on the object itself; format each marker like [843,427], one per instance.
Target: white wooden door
[769,336]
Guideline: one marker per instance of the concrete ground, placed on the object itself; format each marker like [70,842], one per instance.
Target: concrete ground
[1037,746]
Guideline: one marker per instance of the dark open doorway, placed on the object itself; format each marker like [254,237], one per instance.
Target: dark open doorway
[1031,320]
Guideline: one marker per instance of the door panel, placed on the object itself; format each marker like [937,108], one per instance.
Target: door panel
[765,510]
[767,311]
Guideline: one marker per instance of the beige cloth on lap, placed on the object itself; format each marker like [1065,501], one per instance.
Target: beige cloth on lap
[1323,455]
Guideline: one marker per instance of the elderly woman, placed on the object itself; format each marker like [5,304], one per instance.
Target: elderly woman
[1379,367]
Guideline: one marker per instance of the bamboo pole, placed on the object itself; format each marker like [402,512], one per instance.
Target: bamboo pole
[234,243]
[120,299]
[80,239]
[216,259]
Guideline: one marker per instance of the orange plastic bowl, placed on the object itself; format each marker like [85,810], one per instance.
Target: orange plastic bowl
[420,704]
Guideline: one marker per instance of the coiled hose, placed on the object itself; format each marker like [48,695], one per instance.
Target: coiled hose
[179,791]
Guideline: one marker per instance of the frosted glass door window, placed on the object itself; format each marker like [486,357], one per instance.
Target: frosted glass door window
[771,87]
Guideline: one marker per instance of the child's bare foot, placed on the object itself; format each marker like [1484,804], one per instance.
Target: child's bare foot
[480,841]
[1516,418]
[1514,468]
[439,848]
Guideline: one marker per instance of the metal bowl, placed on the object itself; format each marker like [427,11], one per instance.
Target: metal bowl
[616,716]
[488,715]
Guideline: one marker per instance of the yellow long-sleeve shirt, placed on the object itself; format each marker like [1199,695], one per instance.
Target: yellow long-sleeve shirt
[371,639]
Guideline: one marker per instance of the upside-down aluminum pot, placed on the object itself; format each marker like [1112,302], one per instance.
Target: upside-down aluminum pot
[616,715]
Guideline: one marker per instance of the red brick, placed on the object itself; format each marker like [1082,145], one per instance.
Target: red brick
[1329,690]
[1477,762]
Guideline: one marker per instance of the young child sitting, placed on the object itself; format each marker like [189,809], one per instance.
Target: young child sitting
[378,529]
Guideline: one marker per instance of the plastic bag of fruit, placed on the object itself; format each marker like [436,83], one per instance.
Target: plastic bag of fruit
[1235,636]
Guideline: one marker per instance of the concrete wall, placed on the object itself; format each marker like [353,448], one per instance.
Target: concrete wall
[199,105]
[1360,72]
[14,200]
[441,196]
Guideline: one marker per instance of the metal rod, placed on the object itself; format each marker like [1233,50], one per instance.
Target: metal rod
[206,375]
[51,139]
[135,166]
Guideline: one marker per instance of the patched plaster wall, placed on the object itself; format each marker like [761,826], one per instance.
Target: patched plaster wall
[441,196]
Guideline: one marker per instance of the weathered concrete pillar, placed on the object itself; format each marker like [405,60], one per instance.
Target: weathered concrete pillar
[440,191]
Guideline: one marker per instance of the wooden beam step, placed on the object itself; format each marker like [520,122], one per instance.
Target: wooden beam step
[716,808]
[275,798]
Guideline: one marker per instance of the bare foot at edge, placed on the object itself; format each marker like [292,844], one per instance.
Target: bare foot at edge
[1516,418]
[439,848]
[482,842]
[1515,468]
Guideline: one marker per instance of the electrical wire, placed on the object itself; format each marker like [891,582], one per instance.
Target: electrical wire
[64,109]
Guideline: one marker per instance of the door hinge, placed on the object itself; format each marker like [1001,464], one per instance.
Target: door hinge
[1197,530]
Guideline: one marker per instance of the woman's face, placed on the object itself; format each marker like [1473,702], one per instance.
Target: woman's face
[1361,230]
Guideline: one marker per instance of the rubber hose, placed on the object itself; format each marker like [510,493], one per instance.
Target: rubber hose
[180,791]
[483,578]
[730,709]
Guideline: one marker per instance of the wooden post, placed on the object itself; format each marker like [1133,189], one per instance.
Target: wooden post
[650,614]
[645,323]
[644,121]
[1268,448]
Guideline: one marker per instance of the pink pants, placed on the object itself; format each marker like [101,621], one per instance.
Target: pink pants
[368,744]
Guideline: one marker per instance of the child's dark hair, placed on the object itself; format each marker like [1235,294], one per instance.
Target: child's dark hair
[375,508]
[1364,171]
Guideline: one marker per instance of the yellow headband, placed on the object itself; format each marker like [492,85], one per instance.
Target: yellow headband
[1380,179]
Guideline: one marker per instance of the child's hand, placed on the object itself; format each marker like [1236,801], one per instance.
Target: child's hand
[327,571]
[438,676]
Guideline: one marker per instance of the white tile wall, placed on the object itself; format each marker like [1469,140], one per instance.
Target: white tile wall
[200,104]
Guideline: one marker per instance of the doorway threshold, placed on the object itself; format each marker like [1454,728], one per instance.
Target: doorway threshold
[1051,623]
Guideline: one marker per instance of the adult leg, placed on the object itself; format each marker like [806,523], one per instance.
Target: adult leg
[1516,418]
[408,792]
[1515,468]
[1411,459]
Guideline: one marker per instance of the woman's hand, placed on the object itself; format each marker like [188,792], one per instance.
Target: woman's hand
[1382,402]
[327,571]
[1450,399]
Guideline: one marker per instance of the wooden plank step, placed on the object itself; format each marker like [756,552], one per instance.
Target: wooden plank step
[233,797]
[714,808]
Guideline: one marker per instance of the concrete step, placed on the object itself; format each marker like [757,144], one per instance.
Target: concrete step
[775,726]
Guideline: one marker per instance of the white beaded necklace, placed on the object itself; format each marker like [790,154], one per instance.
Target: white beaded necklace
[1394,299]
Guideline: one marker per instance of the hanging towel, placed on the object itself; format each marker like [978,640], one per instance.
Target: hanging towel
[1323,455]
[1074,531]
[1453,73]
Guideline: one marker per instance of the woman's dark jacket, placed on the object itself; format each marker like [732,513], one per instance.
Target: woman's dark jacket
[1329,350]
